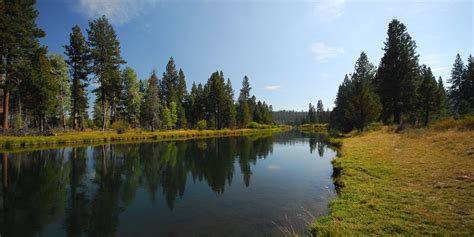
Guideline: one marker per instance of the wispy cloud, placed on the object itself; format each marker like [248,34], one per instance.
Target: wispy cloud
[118,11]
[328,10]
[272,87]
[439,69]
[429,59]
[322,52]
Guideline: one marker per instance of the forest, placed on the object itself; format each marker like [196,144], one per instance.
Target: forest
[399,91]
[46,91]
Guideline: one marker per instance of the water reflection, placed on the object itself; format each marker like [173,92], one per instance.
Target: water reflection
[86,189]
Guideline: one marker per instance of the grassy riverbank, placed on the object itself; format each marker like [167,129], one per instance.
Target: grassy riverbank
[418,182]
[8,143]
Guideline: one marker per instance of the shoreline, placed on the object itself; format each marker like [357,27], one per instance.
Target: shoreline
[61,139]
[384,180]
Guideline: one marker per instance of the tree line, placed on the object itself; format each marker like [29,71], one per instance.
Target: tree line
[401,90]
[44,90]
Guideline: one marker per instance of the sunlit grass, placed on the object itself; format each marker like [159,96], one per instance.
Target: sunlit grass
[89,137]
[420,182]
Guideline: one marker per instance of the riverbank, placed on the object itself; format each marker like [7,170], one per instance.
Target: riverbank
[11,143]
[418,182]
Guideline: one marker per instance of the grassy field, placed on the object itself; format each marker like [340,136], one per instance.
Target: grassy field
[12,143]
[418,182]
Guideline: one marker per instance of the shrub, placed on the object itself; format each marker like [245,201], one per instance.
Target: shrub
[255,125]
[201,125]
[121,126]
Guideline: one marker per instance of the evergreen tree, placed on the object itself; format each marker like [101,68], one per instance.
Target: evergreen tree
[181,86]
[169,83]
[398,74]
[43,89]
[215,100]
[173,113]
[320,112]
[60,76]
[455,91]
[151,103]
[429,95]
[442,98]
[229,110]
[338,118]
[311,117]
[363,104]
[106,61]
[244,115]
[78,60]
[132,97]
[469,81]
[19,40]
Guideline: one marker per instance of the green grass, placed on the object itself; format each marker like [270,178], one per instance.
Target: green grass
[12,143]
[420,182]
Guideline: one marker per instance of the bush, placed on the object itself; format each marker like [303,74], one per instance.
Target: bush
[201,125]
[121,126]
[255,125]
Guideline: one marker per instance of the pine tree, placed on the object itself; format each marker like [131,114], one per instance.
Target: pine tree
[311,117]
[442,97]
[469,81]
[151,104]
[132,97]
[43,89]
[169,83]
[429,95]
[229,110]
[60,76]
[397,76]
[320,112]
[78,60]
[19,40]
[216,99]
[106,61]
[244,115]
[363,104]
[338,118]
[455,91]
[173,110]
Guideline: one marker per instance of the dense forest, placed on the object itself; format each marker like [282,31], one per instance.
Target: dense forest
[400,90]
[43,90]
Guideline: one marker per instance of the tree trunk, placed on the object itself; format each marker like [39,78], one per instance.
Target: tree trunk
[6,103]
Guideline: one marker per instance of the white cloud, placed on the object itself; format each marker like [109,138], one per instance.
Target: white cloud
[118,11]
[327,10]
[439,69]
[429,59]
[322,52]
[272,87]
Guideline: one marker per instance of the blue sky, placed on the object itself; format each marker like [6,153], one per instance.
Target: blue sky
[294,52]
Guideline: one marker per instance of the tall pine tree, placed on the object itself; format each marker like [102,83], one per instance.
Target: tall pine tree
[151,104]
[456,89]
[106,61]
[398,73]
[429,102]
[19,41]
[78,60]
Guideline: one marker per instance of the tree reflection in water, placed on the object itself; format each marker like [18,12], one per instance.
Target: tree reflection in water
[87,188]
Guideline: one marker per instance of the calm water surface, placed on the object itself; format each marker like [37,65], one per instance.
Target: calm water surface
[238,186]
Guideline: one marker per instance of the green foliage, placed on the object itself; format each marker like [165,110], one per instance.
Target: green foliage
[455,92]
[63,98]
[132,97]
[243,111]
[121,126]
[151,104]
[201,125]
[397,75]
[173,113]
[78,61]
[106,61]
[255,125]
[429,95]
[357,105]
[169,83]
